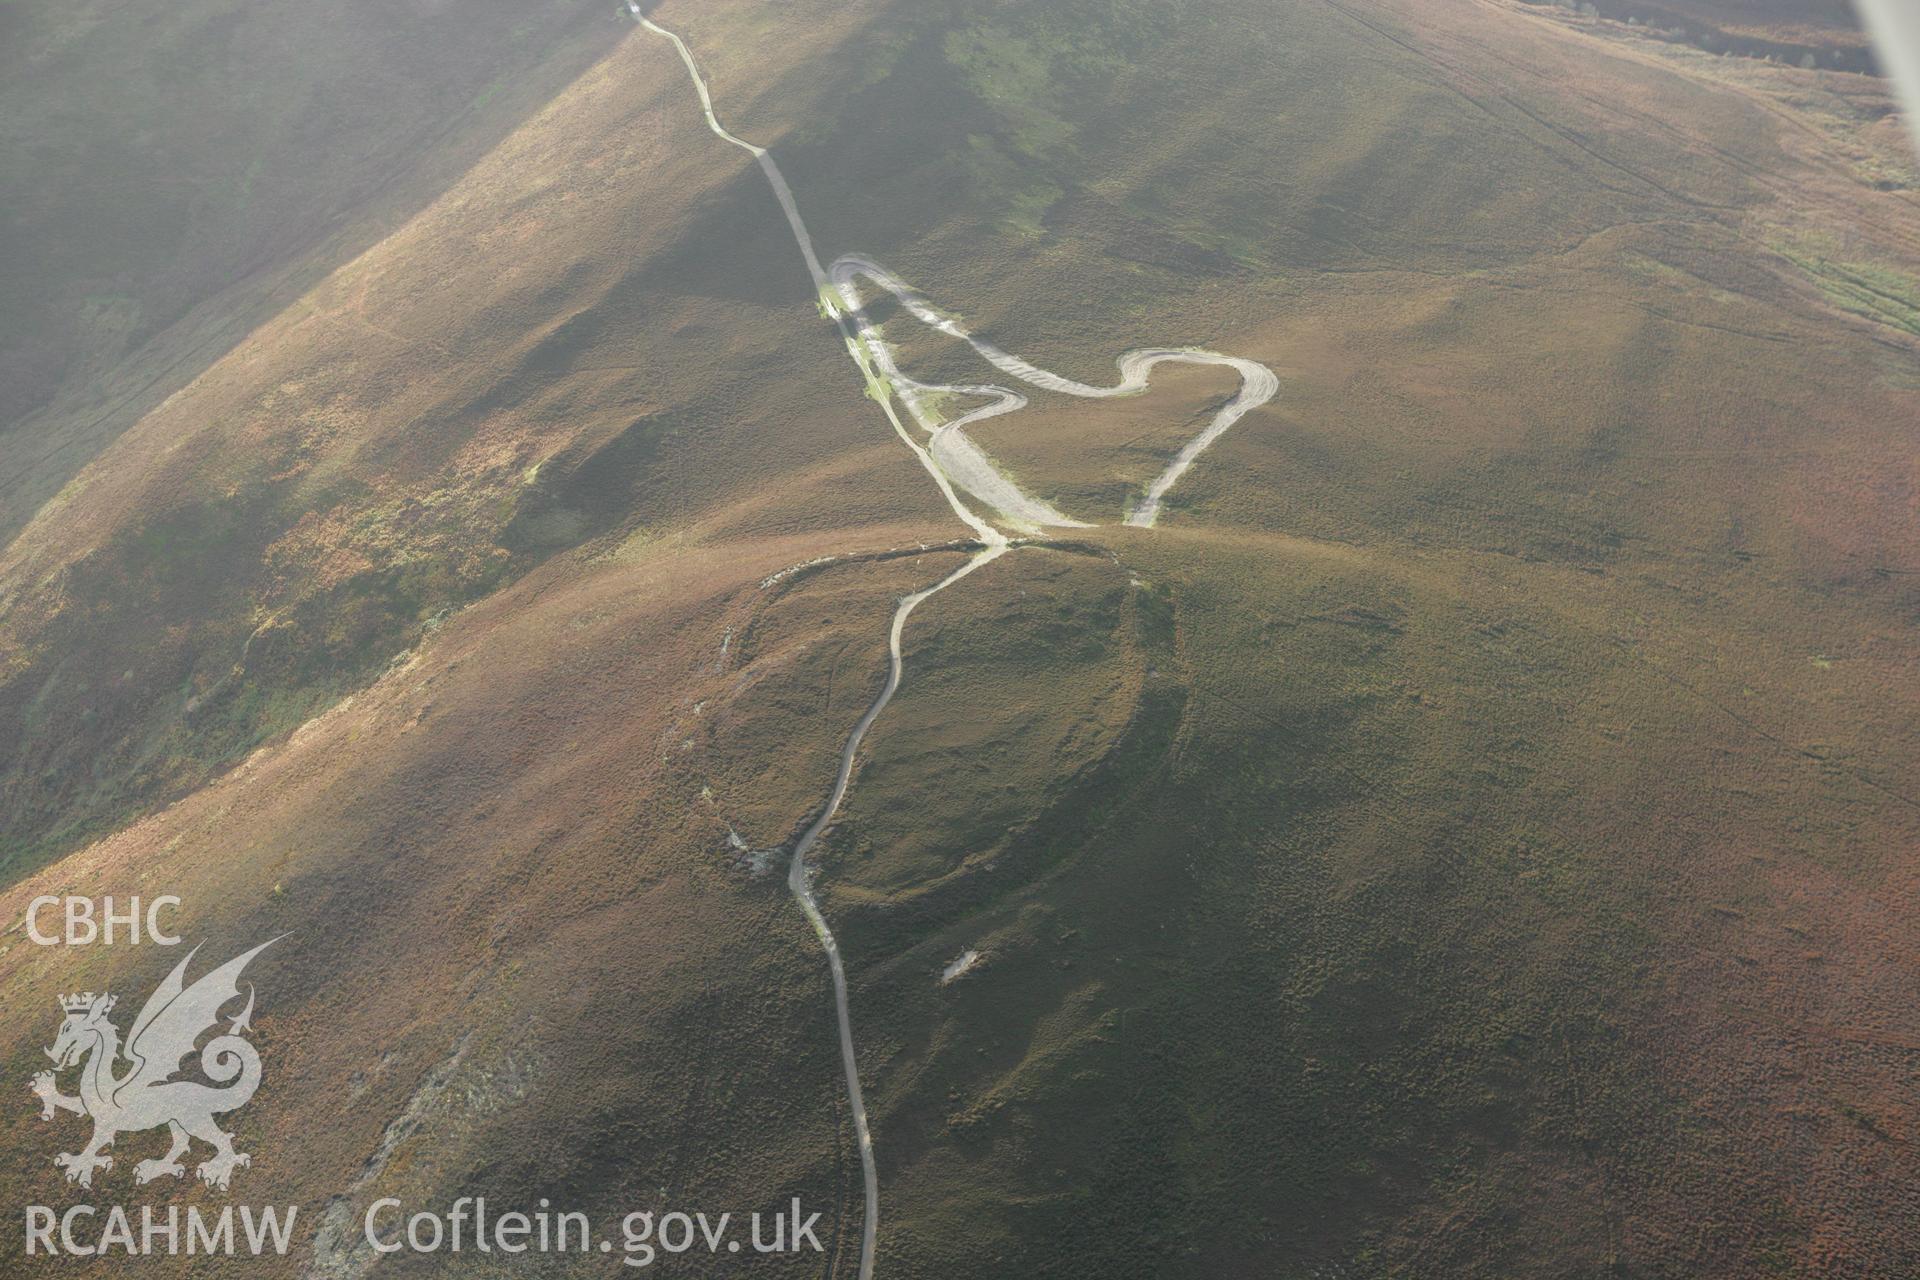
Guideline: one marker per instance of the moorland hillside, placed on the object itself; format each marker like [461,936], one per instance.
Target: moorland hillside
[1466,837]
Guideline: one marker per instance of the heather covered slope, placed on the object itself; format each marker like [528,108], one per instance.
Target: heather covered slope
[501,378]
[519,950]
[177,173]
[1468,837]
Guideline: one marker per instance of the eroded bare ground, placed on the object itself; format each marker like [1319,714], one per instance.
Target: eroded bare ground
[1465,837]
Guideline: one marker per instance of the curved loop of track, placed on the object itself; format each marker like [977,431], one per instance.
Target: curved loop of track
[951,459]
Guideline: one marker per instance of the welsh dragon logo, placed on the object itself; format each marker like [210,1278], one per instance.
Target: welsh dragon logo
[146,1095]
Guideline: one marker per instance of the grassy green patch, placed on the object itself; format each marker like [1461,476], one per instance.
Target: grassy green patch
[1858,286]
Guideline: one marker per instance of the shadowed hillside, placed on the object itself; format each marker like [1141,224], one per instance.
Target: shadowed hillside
[178,173]
[1467,837]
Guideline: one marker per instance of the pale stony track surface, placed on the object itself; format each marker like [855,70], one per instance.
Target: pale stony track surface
[970,468]
[956,464]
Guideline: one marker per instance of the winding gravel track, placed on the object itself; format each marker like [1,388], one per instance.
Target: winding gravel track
[855,347]
[951,459]
[799,880]
[799,877]
[1258,384]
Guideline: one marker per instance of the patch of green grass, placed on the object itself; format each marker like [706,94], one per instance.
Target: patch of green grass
[1860,287]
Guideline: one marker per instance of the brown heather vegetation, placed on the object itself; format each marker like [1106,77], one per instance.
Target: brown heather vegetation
[1472,836]
[179,173]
